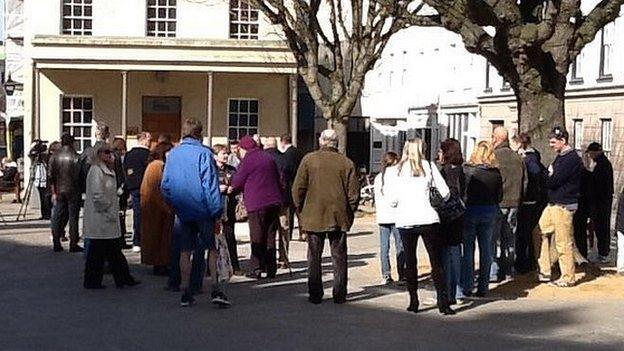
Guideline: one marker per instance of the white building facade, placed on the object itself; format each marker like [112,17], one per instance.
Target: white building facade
[145,65]
[426,84]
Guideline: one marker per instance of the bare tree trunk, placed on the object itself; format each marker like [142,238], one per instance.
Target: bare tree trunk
[539,112]
[341,126]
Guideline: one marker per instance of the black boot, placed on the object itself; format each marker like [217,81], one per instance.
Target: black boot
[443,304]
[414,303]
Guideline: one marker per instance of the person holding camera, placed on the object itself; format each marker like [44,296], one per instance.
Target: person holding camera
[39,157]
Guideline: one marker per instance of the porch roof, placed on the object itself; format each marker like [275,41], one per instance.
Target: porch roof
[161,54]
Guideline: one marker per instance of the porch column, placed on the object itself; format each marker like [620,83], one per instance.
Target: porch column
[36,105]
[292,83]
[209,89]
[124,104]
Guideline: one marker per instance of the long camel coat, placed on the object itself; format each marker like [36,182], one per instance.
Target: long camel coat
[156,218]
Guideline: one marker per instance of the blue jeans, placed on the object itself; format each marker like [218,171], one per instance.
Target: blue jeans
[181,231]
[504,244]
[385,231]
[477,227]
[136,218]
[452,271]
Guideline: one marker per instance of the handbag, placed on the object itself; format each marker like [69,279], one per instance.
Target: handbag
[435,198]
[448,210]
[224,264]
[240,211]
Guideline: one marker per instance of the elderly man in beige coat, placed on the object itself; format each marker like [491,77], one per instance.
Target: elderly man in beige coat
[101,223]
[326,194]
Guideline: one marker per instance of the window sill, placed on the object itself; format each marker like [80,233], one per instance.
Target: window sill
[487,90]
[576,81]
[605,79]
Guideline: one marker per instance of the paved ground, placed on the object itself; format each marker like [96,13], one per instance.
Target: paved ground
[43,307]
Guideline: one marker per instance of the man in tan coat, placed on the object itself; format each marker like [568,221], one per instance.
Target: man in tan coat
[326,194]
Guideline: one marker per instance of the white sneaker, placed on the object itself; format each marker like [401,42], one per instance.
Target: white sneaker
[136,249]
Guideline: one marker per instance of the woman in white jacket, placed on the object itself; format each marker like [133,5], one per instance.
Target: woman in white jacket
[386,206]
[416,217]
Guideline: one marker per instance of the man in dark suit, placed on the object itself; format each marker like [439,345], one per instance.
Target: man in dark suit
[285,222]
[600,198]
[292,158]
[134,166]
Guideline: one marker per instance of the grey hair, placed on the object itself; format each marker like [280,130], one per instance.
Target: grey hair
[102,132]
[328,137]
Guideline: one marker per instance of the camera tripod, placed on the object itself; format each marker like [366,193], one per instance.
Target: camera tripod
[31,183]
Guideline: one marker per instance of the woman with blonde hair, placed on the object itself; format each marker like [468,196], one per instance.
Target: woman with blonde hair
[484,191]
[415,217]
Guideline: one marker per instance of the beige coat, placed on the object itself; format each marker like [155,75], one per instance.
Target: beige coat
[101,207]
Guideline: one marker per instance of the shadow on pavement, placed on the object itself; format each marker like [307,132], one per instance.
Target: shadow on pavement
[45,308]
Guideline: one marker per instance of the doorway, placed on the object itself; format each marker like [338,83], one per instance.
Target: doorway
[161,115]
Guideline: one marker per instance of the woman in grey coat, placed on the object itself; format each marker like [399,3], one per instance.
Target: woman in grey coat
[101,223]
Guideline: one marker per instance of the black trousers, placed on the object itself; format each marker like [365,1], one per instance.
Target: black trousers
[434,243]
[262,229]
[109,250]
[45,202]
[528,218]
[230,237]
[601,217]
[65,206]
[338,245]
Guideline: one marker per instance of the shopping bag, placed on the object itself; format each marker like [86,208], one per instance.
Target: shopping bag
[224,264]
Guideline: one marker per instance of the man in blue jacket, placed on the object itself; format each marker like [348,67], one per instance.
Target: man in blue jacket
[191,185]
[563,193]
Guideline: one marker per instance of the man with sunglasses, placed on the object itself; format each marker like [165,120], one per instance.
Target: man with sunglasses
[563,193]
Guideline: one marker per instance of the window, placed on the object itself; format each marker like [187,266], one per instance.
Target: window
[488,88]
[458,128]
[161,18]
[242,118]
[77,17]
[577,71]
[606,50]
[244,21]
[578,134]
[605,135]
[77,115]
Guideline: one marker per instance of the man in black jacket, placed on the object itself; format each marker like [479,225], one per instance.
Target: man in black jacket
[134,165]
[293,157]
[63,177]
[600,196]
[563,193]
[284,228]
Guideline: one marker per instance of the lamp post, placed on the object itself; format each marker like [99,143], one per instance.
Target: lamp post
[10,86]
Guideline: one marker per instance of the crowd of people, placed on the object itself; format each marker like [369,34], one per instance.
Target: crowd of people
[187,198]
[523,216]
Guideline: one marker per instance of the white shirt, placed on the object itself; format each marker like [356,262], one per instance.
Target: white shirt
[385,201]
[412,195]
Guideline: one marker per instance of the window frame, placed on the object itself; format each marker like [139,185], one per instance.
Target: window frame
[603,75]
[236,18]
[488,86]
[83,19]
[167,20]
[578,137]
[606,140]
[238,127]
[576,71]
[79,143]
